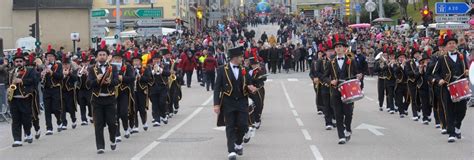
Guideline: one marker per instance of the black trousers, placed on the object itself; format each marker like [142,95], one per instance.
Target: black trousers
[83,99]
[280,64]
[36,112]
[104,112]
[189,75]
[381,91]
[401,98]
[174,98]
[210,79]
[200,74]
[124,108]
[328,111]
[414,98]
[454,111]
[425,103]
[158,105]
[141,106]
[69,107]
[438,107]
[258,100]
[273,66]
[343,113]
[20,109]
[390,96]
[52,105]
[236,126]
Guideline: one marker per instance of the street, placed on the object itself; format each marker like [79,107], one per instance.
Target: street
[291,129]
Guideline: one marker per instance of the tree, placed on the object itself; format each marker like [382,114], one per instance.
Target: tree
[403,7]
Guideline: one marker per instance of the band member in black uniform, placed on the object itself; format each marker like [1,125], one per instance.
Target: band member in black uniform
[340,69]
[413,74]
[126,78]
[435,95]
[379,68]
[231,92]
[20,98]
[32,65]
[69,91]
[390,82]
[451,68]
[258,79]
[173,85]
[322,89]
[361,64]
[424,88]
[143,81]
[401,92]
[159,89]
[51,78]
[84,93]
[103,78]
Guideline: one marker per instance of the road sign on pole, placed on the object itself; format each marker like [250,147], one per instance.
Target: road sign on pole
[149,13]
[452,8]
[454,26]
[99,31]
[99,22]
[441,19]
[149,31]
[100,13]
[149,22]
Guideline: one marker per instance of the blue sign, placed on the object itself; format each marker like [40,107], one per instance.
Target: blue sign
[452,8]
[357,7]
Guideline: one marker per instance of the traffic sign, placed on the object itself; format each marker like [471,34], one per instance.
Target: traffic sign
[99,31]
[37,43]
[116,36]
[149,22]
[100,13]
[149,31]
[441,19]
[453,26]
[370,6]
[149,13]
[357,7]
[99,22]
[452,8]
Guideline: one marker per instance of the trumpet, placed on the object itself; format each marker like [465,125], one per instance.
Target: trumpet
[11,89]
[81,72]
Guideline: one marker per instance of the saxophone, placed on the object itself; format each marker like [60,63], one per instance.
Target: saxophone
[172,76]
[11,89]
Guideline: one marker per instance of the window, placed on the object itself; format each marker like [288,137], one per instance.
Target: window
[112,2]
[143,1]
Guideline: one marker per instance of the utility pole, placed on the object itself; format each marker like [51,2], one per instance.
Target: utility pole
[381,11]
[37,32]
[118,27]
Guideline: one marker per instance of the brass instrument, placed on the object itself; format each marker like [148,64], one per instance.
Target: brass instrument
[172,76]
[11,89]
[83,69]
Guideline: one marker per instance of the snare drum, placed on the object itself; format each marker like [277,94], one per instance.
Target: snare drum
[459,90]
[351,91]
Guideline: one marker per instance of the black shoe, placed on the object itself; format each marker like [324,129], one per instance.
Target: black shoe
[458,136]
[113,146]
[175,111]
[239,151]
[100,151]
[48,133]
[380,109]
[17,145]
[31,140]
[451,139]
[74,125]
[59,129]
[38,135]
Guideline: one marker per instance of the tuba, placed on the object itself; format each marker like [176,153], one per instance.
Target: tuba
[12,88]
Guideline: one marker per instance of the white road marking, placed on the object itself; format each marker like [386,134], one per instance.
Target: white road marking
[152,145]
[370,99]
[269,80]
[300,122]
[207,101]
[287,96]
[292,80]
[294,113]
[371,128]
[306,134]
[316,153]
[220,128]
